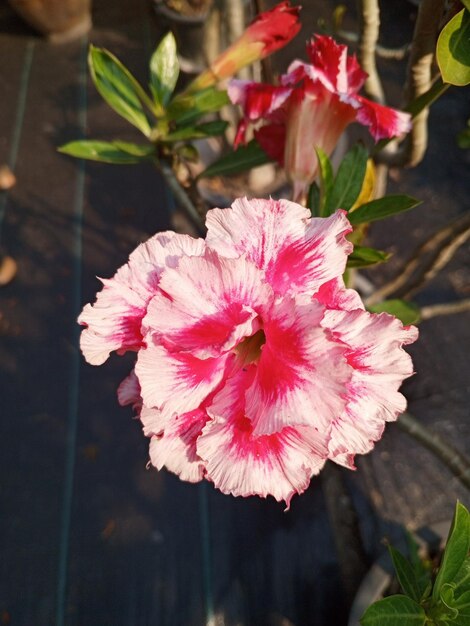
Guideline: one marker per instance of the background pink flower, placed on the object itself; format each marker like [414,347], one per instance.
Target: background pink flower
[254,363]
[313,106]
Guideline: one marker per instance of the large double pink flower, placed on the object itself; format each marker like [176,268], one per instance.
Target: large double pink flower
[311,108]
[254,363]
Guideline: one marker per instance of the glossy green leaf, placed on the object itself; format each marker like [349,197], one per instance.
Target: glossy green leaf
[407,312]
[394,611]
[209,129]
[453,50]
[117,152]
[445,609]
[406,575]
[326,179]
[119,88]
[462,604]
[462,579]
[381,208]
[164,70]
[348,181]
[313,199]
[244,158]
[456,551]
[364,257]
[188,109]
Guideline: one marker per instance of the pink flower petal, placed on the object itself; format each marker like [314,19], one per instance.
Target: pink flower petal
[177,382]
[356,75]
[272,139]
[334,295]
[379,366]
[257,100]
[298,254]
[383,122]
[301,375]
[129,391]
[175,448]
[114,321]
[242,464]
[208,304]
[330,61]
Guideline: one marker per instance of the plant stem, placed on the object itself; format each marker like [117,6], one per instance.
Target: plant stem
[369,25]
[445,308]
[182,197]
[427,260]
[456,462]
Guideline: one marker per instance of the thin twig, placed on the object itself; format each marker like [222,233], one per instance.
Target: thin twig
[457,462]
[182,197]
[444,308]
[419,82]
[369,25]
[427,260]
[394,54]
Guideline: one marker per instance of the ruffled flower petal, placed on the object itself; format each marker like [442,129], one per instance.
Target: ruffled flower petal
[129,391]
[297,253]
[334,295]
[379,366]
[175,447]
[383,122]
[242,464]
[114,321]
[208,304]
[301,375]
[177,382]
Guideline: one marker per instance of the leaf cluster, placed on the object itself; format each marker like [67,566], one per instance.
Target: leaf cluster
[429,598]
[166,120]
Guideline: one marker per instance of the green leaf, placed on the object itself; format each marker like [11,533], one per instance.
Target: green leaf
[119,88]
[407,312]
[188,109]
[244,158]
[313,199]
[453,50]
[326,179]
[456,552]
[381,208]
[446,609]
[164,70]
[348,181]
[209,129]
[363,257]
[118,152]
[406,575]
[462,579]
[463,138]
[394,611]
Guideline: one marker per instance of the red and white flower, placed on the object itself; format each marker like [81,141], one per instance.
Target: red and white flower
[254,363]
[268,32]
[311,108]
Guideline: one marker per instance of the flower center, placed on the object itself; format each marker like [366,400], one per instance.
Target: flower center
[249,350]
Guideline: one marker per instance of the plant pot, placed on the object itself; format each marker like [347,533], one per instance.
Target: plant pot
[59,20]
[189,31]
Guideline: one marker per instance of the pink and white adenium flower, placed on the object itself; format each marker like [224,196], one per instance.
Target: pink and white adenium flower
[254,363]
[311,108]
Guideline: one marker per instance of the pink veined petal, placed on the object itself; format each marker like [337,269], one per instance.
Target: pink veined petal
[208,304]
[301,375]
[257,100]
[330,60]
[298,254]
[379,365]
[129,391]
[383,122]
[175,447]
[272,139]
[113,322]
[304,264]
[177,382]
[334,295]
[356,75]
[242,464]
